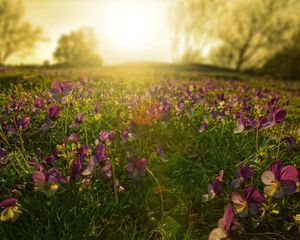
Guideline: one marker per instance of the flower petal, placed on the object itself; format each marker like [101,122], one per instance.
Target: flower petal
[278,194]
[92,164]
[7,214]
[8,202]
[244,212]
[237,182]
[288,173]
[270,190]
[228,217]
[247,192]
[268,177]
[38,176]
[289,187]
[275,167]
[205,197]
[216,184]
[217,234]
[15,216]
[246,172]
[253,208]
[268,125]
[279,115]
[256,197]
[236,198]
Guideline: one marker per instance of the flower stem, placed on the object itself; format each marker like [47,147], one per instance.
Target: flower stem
[256,139]
[114,181]
[3,136]
[161,197]
[66,119]
[85,132]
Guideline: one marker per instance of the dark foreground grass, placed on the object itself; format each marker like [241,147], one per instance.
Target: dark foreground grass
[143,108]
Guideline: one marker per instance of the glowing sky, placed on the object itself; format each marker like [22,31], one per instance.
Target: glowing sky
[128,30]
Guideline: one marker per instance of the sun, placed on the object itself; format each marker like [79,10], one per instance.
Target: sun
[130,24]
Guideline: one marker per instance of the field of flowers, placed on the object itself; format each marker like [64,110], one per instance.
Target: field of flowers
[119,153]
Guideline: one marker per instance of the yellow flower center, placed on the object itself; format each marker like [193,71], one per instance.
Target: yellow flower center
[241,207]
[276,185]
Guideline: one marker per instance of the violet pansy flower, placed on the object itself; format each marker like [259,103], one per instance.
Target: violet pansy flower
[73,137]
[214,188]
[277,115]
[78,119]
[59,89]
[46,180]
[244,172]
[249,200]
[280,180]
[136,168]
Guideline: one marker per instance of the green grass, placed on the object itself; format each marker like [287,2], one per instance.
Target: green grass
[192,158]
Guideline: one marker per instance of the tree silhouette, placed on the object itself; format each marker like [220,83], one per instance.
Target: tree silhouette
[16,35]
[253,30]
[78,48]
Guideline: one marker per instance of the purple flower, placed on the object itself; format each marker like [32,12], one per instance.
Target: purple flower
[53,111]
[214,188]
[203,125]
[73,137]
[280,180]
[224,225]
[46,180]
[48,159]
[11,209]
[24,122]
[277,115]
[159,150]
[95,160]
[38,103]
[59,89]
[244,172]
[100,152]
[126,135]
[83,151]
[240,126]
[103,135]
[249,200]
[92,164]
[8,202]
[78,119]
[76,169]
[106,171]
[136,168]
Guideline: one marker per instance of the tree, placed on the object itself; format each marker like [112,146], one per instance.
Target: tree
[78,48]
[16,35]
[252,31]
[286,63]
[190,23]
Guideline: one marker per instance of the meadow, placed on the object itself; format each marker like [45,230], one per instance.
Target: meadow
[148,153]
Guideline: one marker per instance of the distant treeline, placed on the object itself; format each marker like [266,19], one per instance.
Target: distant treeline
[259,35]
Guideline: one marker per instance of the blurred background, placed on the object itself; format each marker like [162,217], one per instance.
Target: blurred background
[241,35]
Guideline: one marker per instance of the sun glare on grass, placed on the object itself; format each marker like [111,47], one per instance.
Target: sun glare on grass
[132,25]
